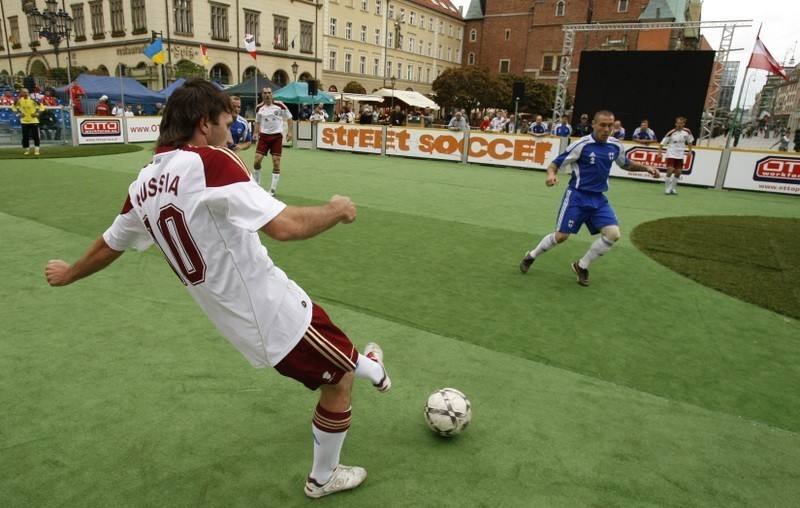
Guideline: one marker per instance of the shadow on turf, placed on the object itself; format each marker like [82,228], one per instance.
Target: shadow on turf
[750,258]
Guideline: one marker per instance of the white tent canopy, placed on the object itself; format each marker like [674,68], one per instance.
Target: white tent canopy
[411,98]
[357,97]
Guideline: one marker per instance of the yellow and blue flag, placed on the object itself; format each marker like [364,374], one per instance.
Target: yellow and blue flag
[155,52]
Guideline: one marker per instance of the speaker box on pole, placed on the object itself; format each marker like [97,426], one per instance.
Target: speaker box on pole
[519,90]
[312,87]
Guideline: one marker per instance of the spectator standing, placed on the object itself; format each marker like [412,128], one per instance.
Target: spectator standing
[102,108]
[427,118]
[643,133]
[783,141]
[677,141]
[499,122]
[270,116]
[139,111]
[48,99]
[319,114]
[366,115]
[564,129]
[590,159]
[397,118]
[511,125]
[618,131]
[538,128]
[159,109]
[28,111]
[583,128]
[458,122]
[118,110]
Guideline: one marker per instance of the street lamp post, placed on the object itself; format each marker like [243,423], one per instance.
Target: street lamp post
[294,70]
[393,80]
[399,20]
[53,24]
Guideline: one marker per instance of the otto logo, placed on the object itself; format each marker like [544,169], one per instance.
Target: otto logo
[101,128]
[778,169]
[649,157]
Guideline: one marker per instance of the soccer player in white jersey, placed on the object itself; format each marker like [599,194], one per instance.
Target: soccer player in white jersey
[677,141]
[268,136]
[197,202]
[589,159]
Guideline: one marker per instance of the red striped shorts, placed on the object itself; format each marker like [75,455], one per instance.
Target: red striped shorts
[322,356]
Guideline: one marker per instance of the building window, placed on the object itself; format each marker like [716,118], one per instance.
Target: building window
[332,27]
[363,36]
[560,9]
[332,61]
[389,39]
[376,66]
[411,42]
[306,37]
[412,17]
[508,34]
[13,30]
[388,68]
[252,25]
[348,63]
[449,54]
[378,37]
[399,71]
[449,30]
[117,18]
[421,46]
[471,59]
[430,23]
[362,65]
[390,11]
[430,49]
[348,30]
[428,74]
[378,7]
[441,27]
[410,72]
[550,62]
[139,15]
[458,55]
[33,36]
[219,22]
[460,33]
[623,6]
[504,66]
[281,32]
[422,21]
[98,24]
[365,5]
[220,74]
[80,22]
[439,52]
[419,73]
[184,24]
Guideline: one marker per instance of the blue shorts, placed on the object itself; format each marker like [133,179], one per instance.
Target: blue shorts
[579,208]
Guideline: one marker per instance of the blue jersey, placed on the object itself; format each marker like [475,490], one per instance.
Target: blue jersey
[240,130]
[590,162]
[538,128]
[564,131]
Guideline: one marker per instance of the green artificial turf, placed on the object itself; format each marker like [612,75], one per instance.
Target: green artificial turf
[646,388]
[63,151]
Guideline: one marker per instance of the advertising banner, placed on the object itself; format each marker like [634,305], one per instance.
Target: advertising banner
[700,165]
[99,129]
[764,171]
[512,150]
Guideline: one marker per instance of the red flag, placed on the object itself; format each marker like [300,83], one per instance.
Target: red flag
[762,59]
[250,45]
[204,53]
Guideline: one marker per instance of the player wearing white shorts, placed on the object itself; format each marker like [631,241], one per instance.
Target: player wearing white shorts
[677,141]
[197,203]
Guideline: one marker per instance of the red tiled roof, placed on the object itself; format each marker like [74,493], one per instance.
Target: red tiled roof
[443,6]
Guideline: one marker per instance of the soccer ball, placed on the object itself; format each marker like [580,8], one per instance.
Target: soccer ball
[448,412]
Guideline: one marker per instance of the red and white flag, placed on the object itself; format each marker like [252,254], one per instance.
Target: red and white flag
[250,45]
[762,59]
[278,40]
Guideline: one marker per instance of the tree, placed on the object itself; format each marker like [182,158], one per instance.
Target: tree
[539,97]
[470,87]
[188,69]
[354,87]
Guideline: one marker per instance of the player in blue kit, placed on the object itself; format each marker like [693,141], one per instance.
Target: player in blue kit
[589,159]
[241,134]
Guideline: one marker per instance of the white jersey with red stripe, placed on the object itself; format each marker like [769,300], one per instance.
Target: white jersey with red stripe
[270,117]
[203,210]
[675,141]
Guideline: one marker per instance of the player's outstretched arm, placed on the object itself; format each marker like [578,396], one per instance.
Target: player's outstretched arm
[97,257]
[301,222]
[655,173]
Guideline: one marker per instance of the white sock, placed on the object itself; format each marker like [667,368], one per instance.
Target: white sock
[275,178]
[329,430]
[674,182]
[369,369]
[257,176]
[598,248]
[667,183]
[547,243]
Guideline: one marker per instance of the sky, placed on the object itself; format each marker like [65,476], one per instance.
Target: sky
[779,33]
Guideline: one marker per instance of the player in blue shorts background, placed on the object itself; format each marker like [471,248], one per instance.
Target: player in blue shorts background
[589,159]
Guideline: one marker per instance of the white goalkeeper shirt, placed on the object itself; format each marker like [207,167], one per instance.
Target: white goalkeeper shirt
[202,209]
[270,118]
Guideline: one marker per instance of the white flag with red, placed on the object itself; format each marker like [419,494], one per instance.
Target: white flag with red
[250,45]
[762,59]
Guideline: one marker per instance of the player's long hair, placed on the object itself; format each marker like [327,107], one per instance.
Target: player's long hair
[187,106]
